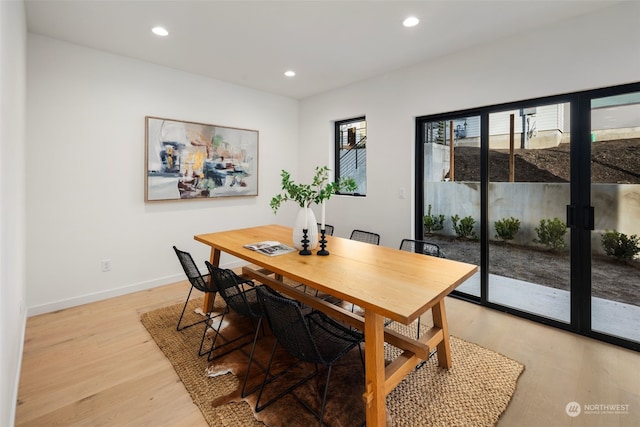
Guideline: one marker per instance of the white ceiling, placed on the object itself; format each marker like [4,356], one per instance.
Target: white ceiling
[328,43]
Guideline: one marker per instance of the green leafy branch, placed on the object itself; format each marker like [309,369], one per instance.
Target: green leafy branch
[306,194]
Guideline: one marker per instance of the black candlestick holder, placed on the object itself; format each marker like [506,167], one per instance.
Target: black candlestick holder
[305,243]
[323,244]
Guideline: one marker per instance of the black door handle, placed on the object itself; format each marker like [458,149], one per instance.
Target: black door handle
[589,218]
[571,216]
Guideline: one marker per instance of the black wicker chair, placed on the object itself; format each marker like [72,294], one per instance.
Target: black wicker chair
[365,236]
[421,247]
[200,282]
[328,229]
[313,338]
[243,301]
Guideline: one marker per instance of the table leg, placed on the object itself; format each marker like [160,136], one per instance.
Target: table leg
[440,321]
[374,397]
[214,259]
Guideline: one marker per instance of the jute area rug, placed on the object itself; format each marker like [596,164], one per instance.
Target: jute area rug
[474,392]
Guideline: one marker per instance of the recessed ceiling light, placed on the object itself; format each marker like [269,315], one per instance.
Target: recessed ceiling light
[290,73]
[160,31]
[411,21]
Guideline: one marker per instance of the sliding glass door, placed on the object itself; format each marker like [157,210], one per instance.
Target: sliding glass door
[544,196]
[451,196]
[615,196]
[529,245]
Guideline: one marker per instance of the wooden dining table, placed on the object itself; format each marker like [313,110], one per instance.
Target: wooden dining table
[386,283]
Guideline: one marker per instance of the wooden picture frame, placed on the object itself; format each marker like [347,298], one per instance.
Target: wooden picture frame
[190,160]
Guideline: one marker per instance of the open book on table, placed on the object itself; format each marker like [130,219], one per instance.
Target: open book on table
[270,247]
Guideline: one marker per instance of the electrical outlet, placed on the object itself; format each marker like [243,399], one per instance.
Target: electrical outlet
[401,193]
[105,264]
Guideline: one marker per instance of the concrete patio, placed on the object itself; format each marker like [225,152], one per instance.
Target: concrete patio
[609,317]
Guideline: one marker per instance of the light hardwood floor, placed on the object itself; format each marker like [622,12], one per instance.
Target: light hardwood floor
[96,365]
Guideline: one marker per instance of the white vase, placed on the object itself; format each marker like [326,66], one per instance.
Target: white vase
[311,226]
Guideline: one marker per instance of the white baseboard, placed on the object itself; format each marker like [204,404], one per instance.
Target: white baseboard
[110,293]
[99,296]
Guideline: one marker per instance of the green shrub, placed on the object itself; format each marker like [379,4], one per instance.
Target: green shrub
[506,228]
[433,222]
[465,228]
[551,233]
[620,245]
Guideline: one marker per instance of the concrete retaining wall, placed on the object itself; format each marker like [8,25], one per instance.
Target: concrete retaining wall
[617,206]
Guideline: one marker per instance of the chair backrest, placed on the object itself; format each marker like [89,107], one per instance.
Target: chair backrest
[328,229]
[365,236]
[420,247]
[193,274]
[289,326]
[227,283]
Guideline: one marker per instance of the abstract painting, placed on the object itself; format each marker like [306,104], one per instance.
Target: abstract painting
[189,160]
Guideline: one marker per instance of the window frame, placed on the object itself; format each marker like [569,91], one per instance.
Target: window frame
[338,144]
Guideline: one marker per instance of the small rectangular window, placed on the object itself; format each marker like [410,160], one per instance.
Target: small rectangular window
[351,152]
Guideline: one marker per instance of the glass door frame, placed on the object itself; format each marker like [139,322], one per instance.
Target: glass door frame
[580,216]
[585,216]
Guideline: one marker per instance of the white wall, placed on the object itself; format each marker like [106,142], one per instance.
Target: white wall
[85,171]
[13,44]
[590,51]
